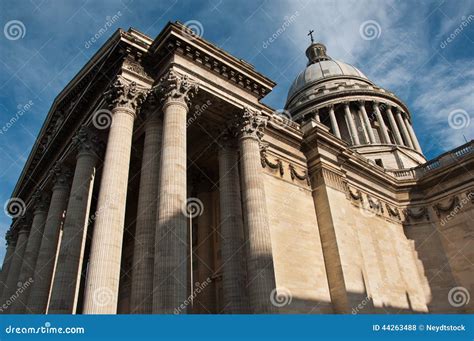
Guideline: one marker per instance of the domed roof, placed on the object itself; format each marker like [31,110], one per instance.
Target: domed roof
[321,66]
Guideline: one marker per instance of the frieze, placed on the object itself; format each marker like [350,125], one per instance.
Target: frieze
[416,213]
[294,175]
[447,207]
[277,164]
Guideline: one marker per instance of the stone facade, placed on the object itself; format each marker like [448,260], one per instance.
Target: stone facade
[161,184]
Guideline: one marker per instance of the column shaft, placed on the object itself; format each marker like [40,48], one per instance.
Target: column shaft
[261,277]
[334,125]
[15,267]
[366,119]
[30,256]
[352,126]
[6,265]
[404,130]
[39,295]
[393,125]
[67,276]
[171,240]
[141,301]
[232,233]
[414,139]
[102,282]
[383,127]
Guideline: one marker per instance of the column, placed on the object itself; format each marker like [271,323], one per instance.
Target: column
[414,139]
[393,125]
[403,128]
[15,266]
[102,282]
[232,230]
[39,295]
[352,126]
[68,272]
[383,128]
[11,243]
[41,204]
[366,120]
[332,117]
[170,283]
[141,301]
[261,276]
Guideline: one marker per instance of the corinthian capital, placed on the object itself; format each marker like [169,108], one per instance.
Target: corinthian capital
[61,174]
[86,142]
[251,124]
[40,201]
[176,87]
[125,94]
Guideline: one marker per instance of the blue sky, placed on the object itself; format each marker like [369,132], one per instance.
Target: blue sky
[423,51]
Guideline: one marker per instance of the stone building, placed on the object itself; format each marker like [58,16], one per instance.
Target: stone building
[159,183]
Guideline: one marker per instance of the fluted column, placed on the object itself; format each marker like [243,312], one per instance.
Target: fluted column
[414,139]
[383,127]
[404,130]
[170,283]
[232,230]
[102,283]
[11,243]
[39,295]
[334,125]
[141,300]
[366,120]
[67,277]
[41,204]
[393,125]
[15,265]
[352,126]
[261,275]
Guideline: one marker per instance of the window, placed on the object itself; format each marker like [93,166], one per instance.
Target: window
[379,162]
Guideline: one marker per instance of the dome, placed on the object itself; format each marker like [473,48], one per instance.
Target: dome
[321,66]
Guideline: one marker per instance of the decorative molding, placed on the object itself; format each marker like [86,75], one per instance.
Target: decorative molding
[176,87]
[294,174]
[439,207]
[376,204]
[393,213]
[40,201]
[277,164]
[125,94]
[416,215]
[357,195]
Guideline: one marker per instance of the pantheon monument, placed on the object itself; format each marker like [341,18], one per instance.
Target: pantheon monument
[161,184]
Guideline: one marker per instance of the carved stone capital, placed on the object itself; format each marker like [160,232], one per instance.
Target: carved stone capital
[126,95]
[40,201]
[251,124]
[61,175]
[10,237]
[87,142]
[174,87]
[151,107]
